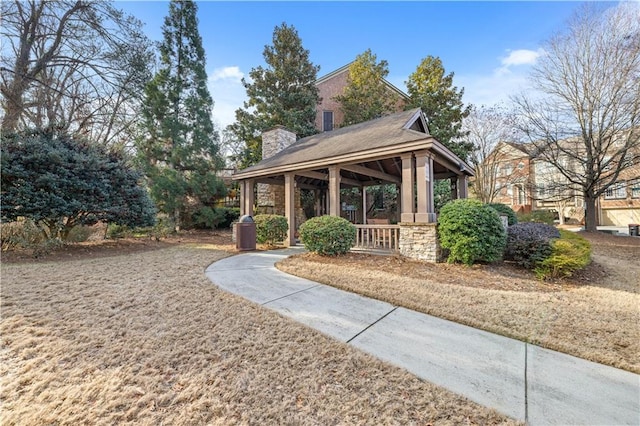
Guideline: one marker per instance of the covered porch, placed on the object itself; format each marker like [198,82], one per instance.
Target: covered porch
[393,150]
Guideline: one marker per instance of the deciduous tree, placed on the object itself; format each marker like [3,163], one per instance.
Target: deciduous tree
[179,153]
[366,95]
[282,93]
[586,123]
[490,130]
[76,65]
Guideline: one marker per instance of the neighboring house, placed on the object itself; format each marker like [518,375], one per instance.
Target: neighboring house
[620,204]
[525,183]
[328,112]
[506,177]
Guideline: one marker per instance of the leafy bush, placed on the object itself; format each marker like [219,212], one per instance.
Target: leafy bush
[208,217]
[271,228]
[570,252]
[538,216]
[471,231]
[530,243]
[231,214]
[328,235]
[504,210]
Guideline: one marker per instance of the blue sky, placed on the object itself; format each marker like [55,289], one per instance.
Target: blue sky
[490,46]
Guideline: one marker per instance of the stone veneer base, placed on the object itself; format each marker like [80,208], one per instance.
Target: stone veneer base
[420,241]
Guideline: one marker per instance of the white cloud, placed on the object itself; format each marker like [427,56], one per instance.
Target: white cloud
[522,57]
[508,79]
[228,94]
[226,73]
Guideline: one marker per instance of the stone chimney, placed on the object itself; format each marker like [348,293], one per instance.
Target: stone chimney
[271,197]
[275,140]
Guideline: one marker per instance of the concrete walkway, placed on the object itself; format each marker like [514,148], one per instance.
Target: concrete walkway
[523,381]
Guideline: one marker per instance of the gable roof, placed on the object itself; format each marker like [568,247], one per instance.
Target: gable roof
[346,68]
[390,135]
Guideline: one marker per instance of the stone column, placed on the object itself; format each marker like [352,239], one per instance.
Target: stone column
[407,198]
[334,190]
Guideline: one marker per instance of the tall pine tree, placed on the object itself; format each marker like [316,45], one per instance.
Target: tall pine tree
[284,93]
[433,91]
[366,95]
[180,151]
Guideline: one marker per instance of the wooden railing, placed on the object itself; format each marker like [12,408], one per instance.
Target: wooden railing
[377,237]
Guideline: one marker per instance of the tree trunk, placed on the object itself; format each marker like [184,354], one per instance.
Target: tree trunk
[590,214]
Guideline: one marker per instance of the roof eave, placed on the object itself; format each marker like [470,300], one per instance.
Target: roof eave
[349,158]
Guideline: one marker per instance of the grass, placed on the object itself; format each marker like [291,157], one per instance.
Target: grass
[145,338]
[598,321]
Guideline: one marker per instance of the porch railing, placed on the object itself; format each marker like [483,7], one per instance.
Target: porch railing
[377,237]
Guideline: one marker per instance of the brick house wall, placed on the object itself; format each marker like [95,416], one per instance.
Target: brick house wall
[332,85]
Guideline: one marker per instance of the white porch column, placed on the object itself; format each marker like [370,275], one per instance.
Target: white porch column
[289,208]
[334,190]
[407,198]
[463,186]
[242,185]
[424,173]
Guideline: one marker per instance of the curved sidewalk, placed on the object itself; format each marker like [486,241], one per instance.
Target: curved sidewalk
[523,381]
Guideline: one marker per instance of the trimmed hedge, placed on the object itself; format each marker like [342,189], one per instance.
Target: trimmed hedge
[570,252]
[328,235]
[530,243]
[504,210]
[471,231]
[271,228]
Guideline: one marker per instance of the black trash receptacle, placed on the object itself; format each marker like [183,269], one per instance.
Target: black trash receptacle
[634,229]
[246,233]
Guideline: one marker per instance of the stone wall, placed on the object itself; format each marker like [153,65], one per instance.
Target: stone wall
[420,241]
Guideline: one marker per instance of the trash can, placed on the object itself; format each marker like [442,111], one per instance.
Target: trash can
[246,233]
[634,229]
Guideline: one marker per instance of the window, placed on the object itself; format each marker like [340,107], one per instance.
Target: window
[635,189]
[327,121]
[616,191]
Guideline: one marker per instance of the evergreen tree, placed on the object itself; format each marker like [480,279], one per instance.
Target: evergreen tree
[284,93]
[366,95]
[60,181]
[180,152]
[433,91]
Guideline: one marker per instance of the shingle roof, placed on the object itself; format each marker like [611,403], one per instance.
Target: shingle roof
[385,132]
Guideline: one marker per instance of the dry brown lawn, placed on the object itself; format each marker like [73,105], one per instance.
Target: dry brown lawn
[144,338]
[595,315]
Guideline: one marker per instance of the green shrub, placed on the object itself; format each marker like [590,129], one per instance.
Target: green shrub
[115,231]
[504,210]
[570,252]
[207,217]
[538,216]
[271,228]
[231,214]
[529,243]
[328,235]
[471,231]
